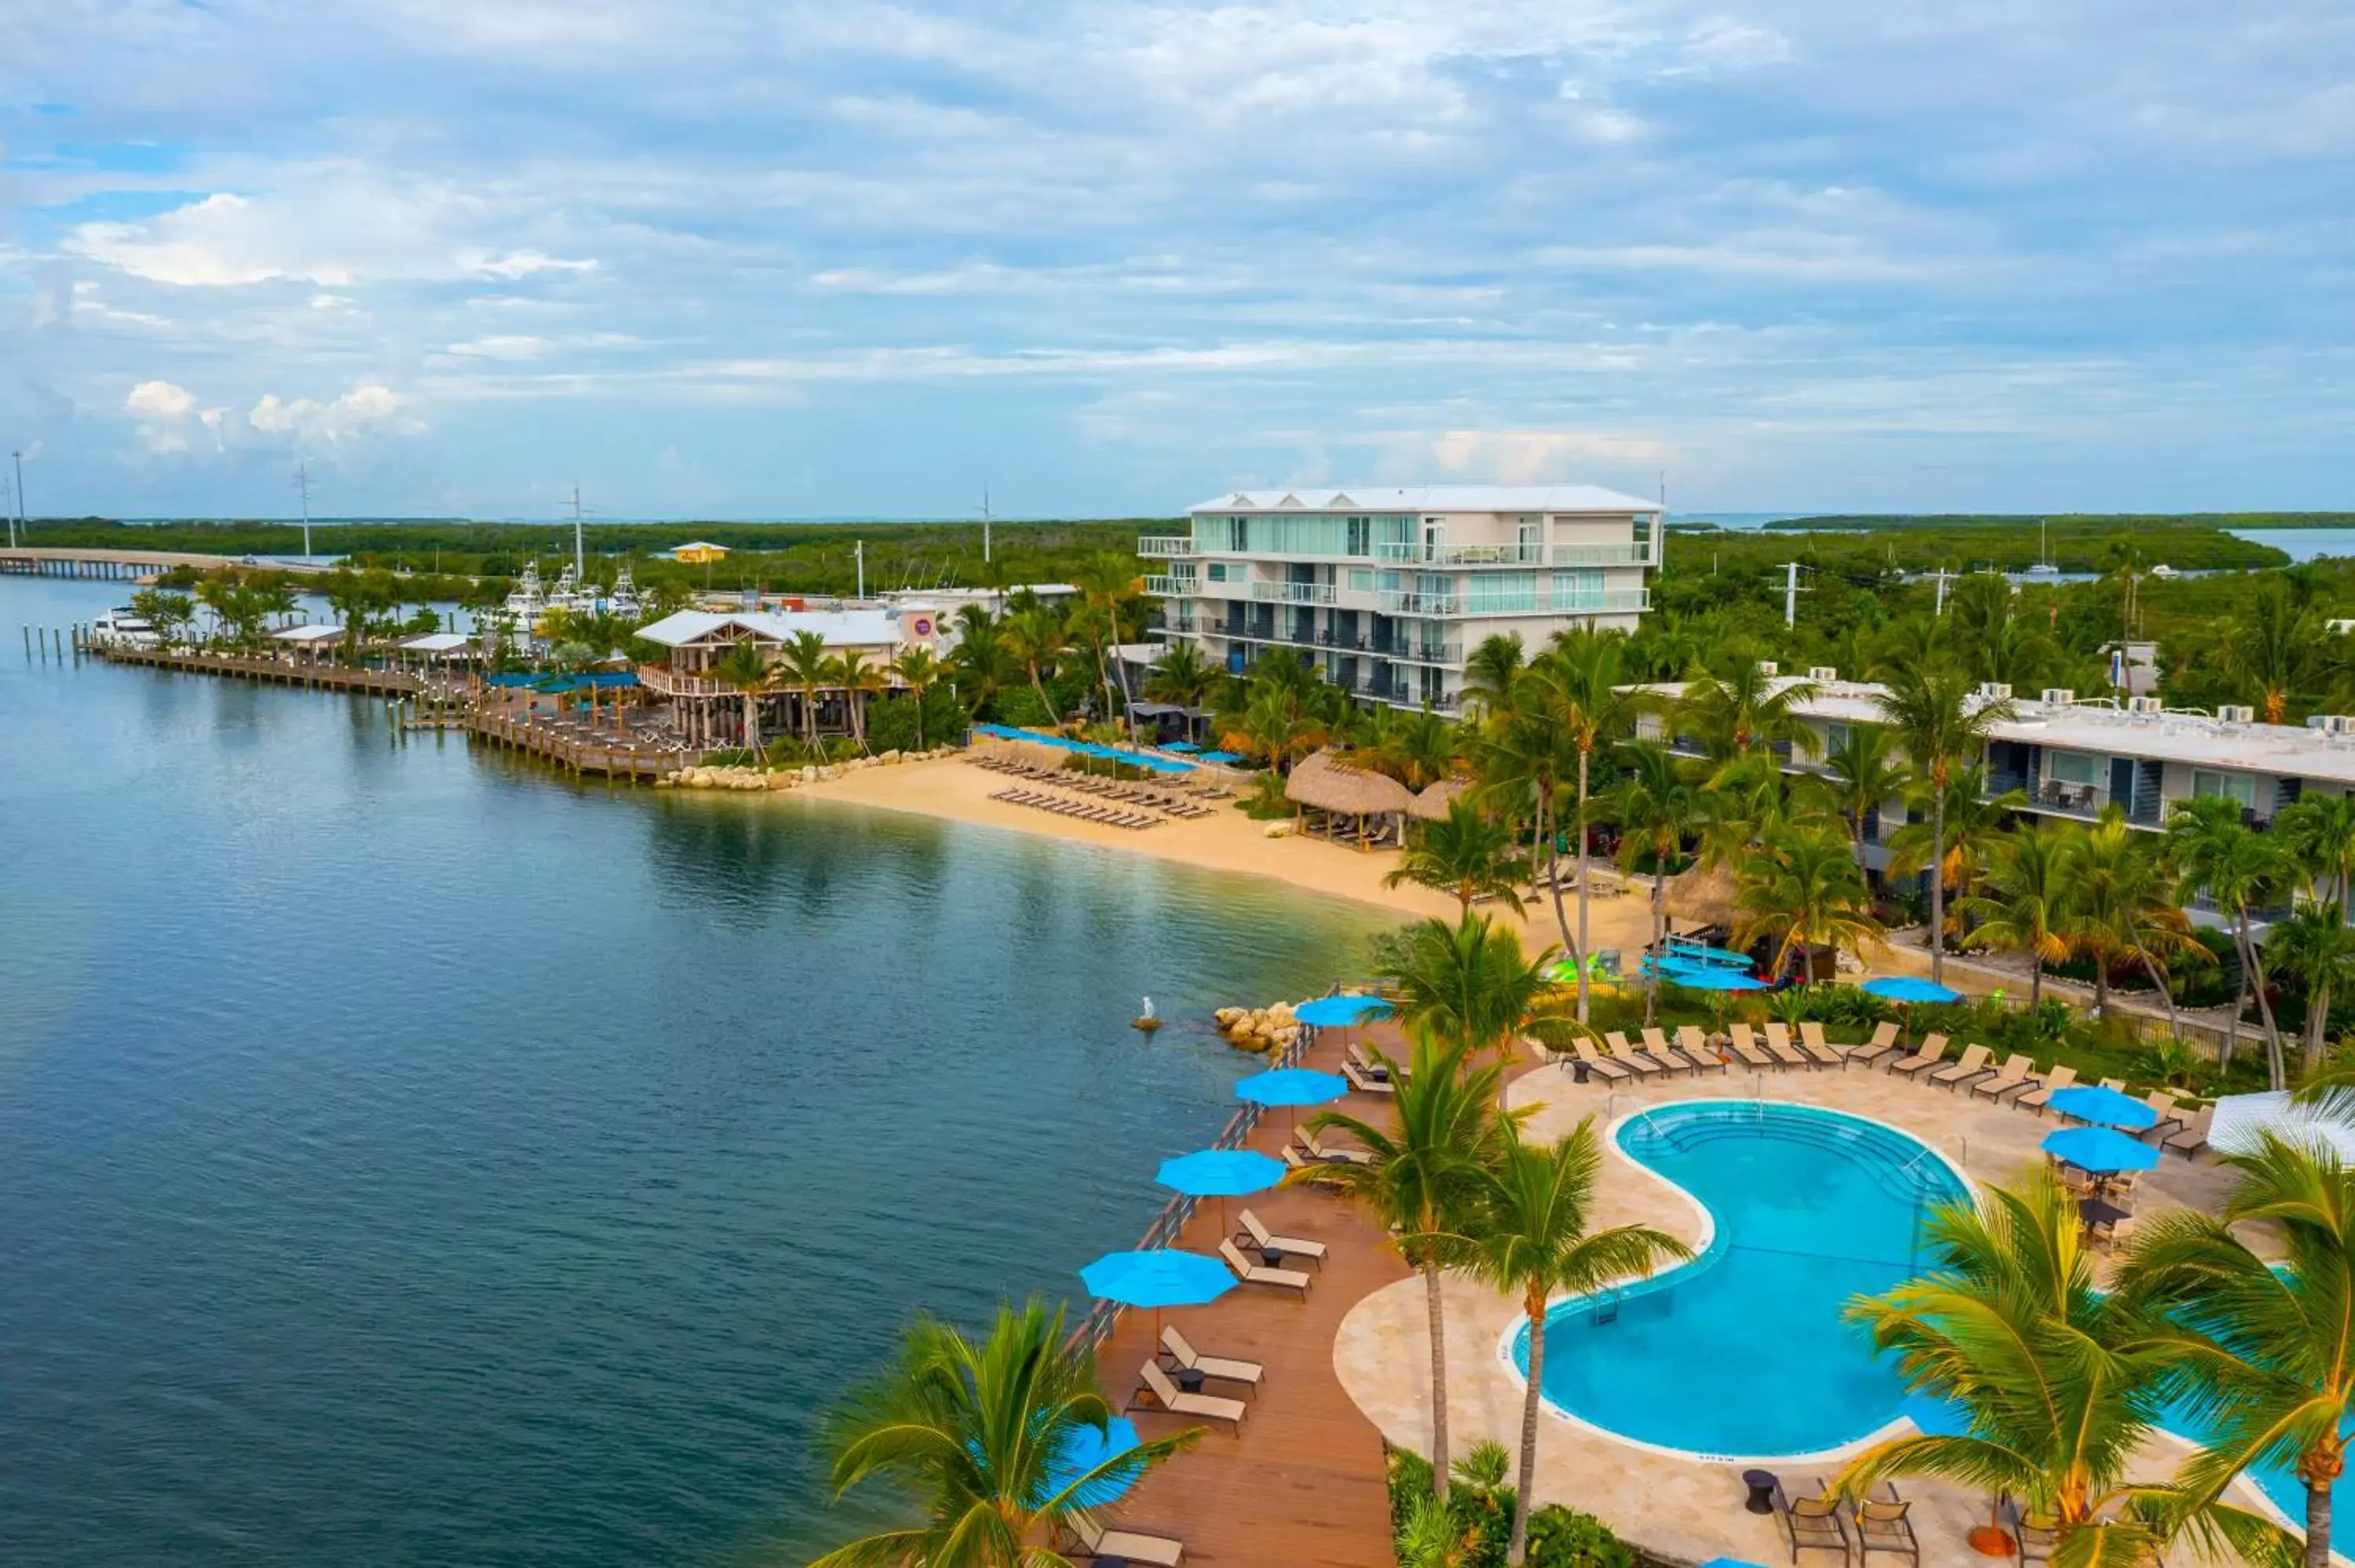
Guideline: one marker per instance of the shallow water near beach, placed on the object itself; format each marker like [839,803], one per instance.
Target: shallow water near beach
[409,1156]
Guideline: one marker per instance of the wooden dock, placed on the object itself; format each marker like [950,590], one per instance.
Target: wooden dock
[581,757]
[131,566]
[1304,1483]
[313,674]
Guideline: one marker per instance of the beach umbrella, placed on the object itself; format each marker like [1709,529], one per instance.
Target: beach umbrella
[1290,1087]
[2108,1106]
[1340,1011]
[1080,1448]
[2100,1150]
[1221,1173]
[1220,757]
[1702,953]
[1163,1277]
[1718,981]
[1186,747]
[1908,988]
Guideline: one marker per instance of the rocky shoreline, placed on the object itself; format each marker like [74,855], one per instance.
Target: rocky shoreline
[754,779]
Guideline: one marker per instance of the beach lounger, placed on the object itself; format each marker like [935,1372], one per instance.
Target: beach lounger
[1610,1070]
[1251,1273]
[1124,1545]
[2194,1136]
[1704,1060]
[1922,1061]
[1695,1046]
[1969,1070]
[1151,1380]
[1883,1041]
[1779,1046]
[1365,1083]
[1812,1523]
[2033,1535]
[1816,1049]
[1335,1154]
[1744,1046]
[2056,1080]
[1881,1525]
[1222,1367]
[1644,1067]
[2162,1105]
[1265,1242]
[1620,1048]
[2012,1079]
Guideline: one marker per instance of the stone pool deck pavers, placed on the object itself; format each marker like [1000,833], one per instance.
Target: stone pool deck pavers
[1683,1507]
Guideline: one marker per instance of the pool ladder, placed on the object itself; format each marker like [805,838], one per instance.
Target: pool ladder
[1607,1305]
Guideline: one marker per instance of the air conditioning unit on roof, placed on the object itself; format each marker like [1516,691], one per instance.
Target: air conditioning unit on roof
[2057,697]
[2145,706]
[1822,673]
[1768,668]
[2236,712]
[1995,691]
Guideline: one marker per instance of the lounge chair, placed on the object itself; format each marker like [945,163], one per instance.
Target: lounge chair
[1932,1049]
[2012,1079]
[1812,1523]
[1092,1541]
[2056,1080]
[1223,1369]
[1704,1060]
[1816,1049]
[1881,1525]
[1779,1046]
[2194,1136]
[1617,1042]
[1745,1046]
[1610,1070]
[1883,1041]
[2168,1124]
[1263,1240]
[1333,1154]
[1969,1070]
[1366,1084]
[1151,1380]
[1251,1273]
[1694,1046]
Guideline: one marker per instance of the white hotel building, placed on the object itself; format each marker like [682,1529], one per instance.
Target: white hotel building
[1388,589]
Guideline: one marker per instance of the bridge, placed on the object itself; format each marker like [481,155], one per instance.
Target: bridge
[135,565]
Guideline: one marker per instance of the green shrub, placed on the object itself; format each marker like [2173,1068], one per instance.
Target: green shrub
[1265,801]
[730,757]
[1563,1537]
[891,723]
[1020,706]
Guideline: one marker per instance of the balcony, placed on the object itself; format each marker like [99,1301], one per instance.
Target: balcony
[1637,553]
[1614,601]
[1412,554]
[1173,587]
[1163,545]
[1446,655]
[1292,593]
[1395,601]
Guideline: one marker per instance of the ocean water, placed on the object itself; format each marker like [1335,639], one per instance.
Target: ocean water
[409,1156]
[2303,543]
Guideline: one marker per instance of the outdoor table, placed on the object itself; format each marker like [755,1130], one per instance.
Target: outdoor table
[2095,1212]
[1762,1485]
[1273,1257]
[1188,1379]
[1580,1070]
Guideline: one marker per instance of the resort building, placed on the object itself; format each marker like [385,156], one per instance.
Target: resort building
[1388,589]
[709,711]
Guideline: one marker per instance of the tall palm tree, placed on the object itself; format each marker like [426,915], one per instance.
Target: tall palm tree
[2315,944]
[2027,902]
[1582,677]
[1419,1182]
[2240,870]
[1181,675]
[743,670]
[1522,757]
[1862,773]
[1109,586]
[2262,1351]
[1744,709]
[850,673]
[803,665]
[1803,889]
[1468,984]
[1491,669]
[2318,833]
[1036,636]
[1466,854]
[2126,913]
[919,670]
[1943,725]
[1530,1236]
[2057,1380]
[972,1428]
[1655,803]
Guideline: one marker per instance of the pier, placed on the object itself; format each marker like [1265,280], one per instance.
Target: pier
[132,565]
[315,673]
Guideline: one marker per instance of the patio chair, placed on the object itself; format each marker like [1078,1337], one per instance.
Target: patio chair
[1258,1237]
[1224,1369]
[1883,1041]
[1605,1067]
[1779,1046]
[2194,1136]
[2056,1080]
[1928,1056]
[1365,1083]
[2013,1078]
[1151,1380]
[1969,1070]
[1816,1049]
[2168,1124]
[1744,1046]
[2115,1232]
[1251,1273]
[1812,1523]
[1091,1541]
[1695,1046]
[1333,1154]
[1617,1042]
[2032,1535]
[1881,1525]
[1704,1060]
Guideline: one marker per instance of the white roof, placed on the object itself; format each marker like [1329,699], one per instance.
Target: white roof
[840,628]
[308,633]
[438,643]
[2240,1118]
[1432,498]
[698,545]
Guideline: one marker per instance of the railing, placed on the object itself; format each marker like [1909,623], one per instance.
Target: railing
[1543,602]
[1292,593]
[1163,545]
[1172,587]
[664,681]
[1636,553]
[1412,554]
[1399,601]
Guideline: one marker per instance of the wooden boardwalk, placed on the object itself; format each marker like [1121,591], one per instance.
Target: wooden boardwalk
[316,674]
[1302,1484]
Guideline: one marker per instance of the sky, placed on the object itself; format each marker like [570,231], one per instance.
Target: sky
[795,260]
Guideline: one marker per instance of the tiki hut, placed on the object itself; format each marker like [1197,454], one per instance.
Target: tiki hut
[1345,802]
[1703,895]
[1431,806]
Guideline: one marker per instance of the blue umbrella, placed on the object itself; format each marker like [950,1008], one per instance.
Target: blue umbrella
[1292,1086]
[1711,978]
[2094,1102]
[1908,988]
[2100,1150]
[1700,953]
[1081,1448]
[1186,746]
[1220,757]
[1165,1277]
[1340,1011]
[1221,1173]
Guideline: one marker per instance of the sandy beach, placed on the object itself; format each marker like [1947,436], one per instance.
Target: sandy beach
[948,786]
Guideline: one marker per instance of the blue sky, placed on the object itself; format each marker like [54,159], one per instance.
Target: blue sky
[799,259]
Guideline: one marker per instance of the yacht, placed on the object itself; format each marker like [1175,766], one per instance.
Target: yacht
[2043,567]
[2164,570]
[526,605]
[124,628]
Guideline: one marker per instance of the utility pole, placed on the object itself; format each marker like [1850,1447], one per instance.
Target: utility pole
[1790,595]
[23,524]
[858,554]
[302,488]
[580,555]
[1942,574]
[984,525]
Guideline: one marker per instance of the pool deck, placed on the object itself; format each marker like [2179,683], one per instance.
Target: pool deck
[1302,1481]
[1674,1505]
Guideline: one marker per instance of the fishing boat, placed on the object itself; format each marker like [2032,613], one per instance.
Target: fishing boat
[124,628]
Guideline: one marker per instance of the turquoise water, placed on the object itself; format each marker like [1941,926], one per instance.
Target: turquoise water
[407,1156]
[1743,1352]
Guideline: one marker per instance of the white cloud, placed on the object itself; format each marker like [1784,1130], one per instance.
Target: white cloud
[365,407]
[162,411]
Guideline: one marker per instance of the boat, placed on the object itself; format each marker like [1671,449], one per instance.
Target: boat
[526,604]
[2043,567]
[2164,570]
[124,628]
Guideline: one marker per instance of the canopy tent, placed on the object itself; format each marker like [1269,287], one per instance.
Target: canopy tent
[2242,1120]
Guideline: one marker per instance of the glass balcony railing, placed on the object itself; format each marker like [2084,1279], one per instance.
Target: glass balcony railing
[1292,593]
[1637,553]
[1410,553]
[1162,545]
[1173,587]
[1397,601]
[1568,602]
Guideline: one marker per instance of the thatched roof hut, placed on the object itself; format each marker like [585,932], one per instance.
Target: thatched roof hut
[1321,783]
[1703,895]
[1431,805]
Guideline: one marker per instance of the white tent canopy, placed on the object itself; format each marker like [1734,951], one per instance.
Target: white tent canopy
[305,635]
[2242,1121]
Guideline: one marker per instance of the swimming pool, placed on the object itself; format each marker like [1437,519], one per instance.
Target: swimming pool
[1744,1351]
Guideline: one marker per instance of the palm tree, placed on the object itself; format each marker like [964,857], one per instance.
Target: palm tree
[2055,1376]
[743,670]
[1521,755]
[1802,890]
[1655,803]
[919,670]
[1109,584]
[1037,638]
[2126,913]
[1973,820]
[1466,854]
[979,664]
[856,679]
[1862,773]
[1181,675]
[1491,669]
[2264,1352]
[1582,679]
[2318,833]
[1530,1236]
[1468,984]
[2125,561]
[804,664]
[2027,902]
[1421,1175]
[2315,944]
[1943,726]
[1426,748]
[2240,870]
[973,1429]
[1744,709]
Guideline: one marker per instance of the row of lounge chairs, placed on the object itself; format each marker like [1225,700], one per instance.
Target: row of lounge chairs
[2016,1083]
[1134,794]
[1085,811]
[1824,1523]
